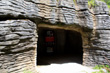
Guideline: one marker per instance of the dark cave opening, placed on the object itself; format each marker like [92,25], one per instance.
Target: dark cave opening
[59,46]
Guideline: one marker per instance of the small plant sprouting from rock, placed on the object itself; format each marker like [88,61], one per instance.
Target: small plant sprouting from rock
[26,71]
[74,1]
[107,2]
[91,3]
[102,68]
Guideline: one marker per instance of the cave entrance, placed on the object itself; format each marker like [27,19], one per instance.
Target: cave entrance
[59,46]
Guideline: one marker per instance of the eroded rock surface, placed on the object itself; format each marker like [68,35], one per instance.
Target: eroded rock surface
[18,38]
[100,39]
[51,11]
[17,45]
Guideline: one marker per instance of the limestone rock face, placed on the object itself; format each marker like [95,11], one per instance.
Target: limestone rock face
[100,8]
[18,36]
[52,11]
[100,37]
[84,16]
[17,8]
[17,45]
[85,19]
[49,10]
[66,12]
[101,25]
[82,4]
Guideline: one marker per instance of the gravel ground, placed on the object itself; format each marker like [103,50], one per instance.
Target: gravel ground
[64,68]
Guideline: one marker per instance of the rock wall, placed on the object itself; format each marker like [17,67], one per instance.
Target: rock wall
[51,11]
[99,51]
[18,36]
[18,39]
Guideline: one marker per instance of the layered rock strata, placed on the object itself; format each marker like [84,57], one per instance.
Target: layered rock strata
[100,49]
[18,39]
[18,26]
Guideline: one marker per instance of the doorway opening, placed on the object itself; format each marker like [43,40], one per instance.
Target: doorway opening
[58,46]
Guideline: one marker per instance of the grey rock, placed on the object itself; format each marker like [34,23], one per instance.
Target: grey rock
[26,37]
[15,41]
[67,3]
[6,43]
[103,22]
[53,11]
[4,32]
[27,47]
[102,40]
[85,19]
[100,8]
[2,47]
[17,8]
[23,33]
[82,4]
[18,38]
[12,36]
[3,70]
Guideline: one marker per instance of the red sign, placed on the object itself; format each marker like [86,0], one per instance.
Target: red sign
[49,39]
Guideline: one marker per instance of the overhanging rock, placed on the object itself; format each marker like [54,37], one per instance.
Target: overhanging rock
[18,30]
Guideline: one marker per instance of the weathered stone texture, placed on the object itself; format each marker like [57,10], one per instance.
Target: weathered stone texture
[82,4]
[18,46]
[52,11]
[85,19]
[18,63]
[100,37]
[102,22]
[101,40]
[94,57]
[100,8]
[66,12]
[18,8]
[19,37]
[101,26]
[48,11]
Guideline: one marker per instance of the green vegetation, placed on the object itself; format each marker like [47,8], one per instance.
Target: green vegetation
[74,1]
[92,3]
[107,2]
[100,67]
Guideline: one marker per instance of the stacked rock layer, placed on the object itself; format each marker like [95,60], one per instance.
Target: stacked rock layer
[18,30]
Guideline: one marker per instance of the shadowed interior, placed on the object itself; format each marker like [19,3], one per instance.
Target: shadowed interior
[66,47]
